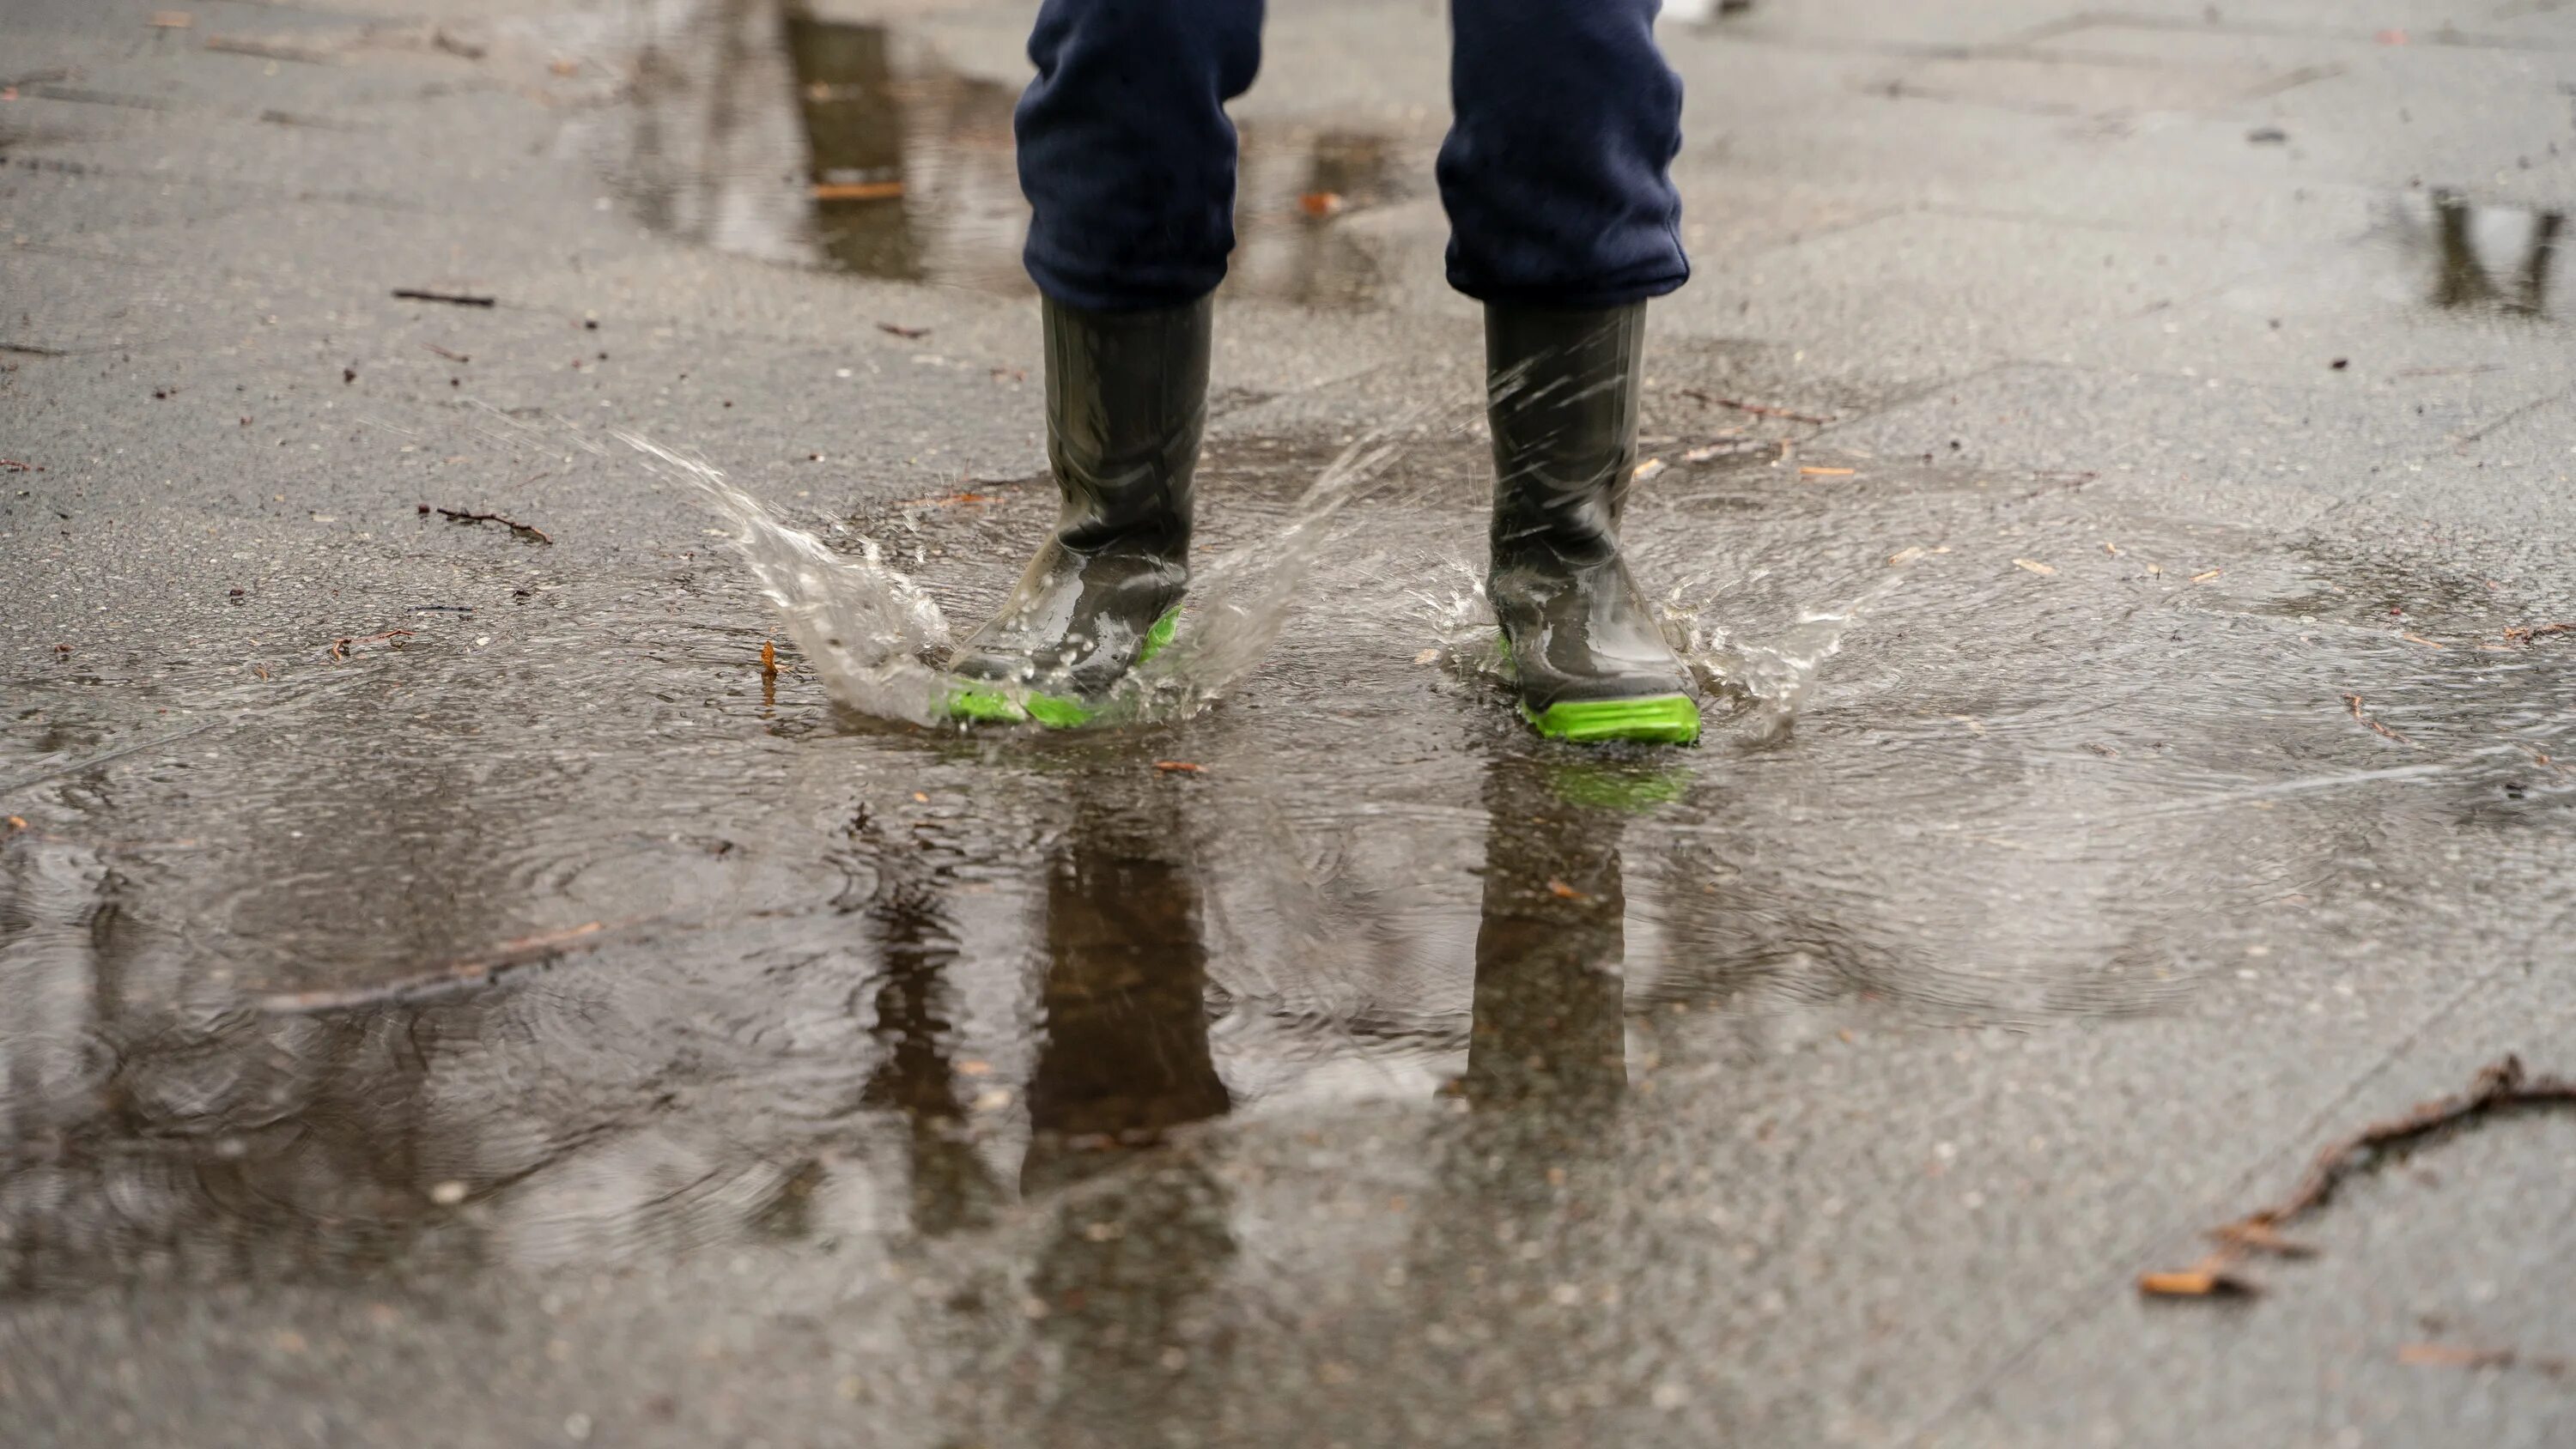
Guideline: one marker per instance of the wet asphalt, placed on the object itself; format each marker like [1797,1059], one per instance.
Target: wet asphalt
[2115,482]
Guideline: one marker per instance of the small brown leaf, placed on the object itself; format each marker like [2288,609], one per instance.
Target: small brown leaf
[1319,205]
[1564,892]
[1180,767]
[2196,1283]
[857,190]
[768,660]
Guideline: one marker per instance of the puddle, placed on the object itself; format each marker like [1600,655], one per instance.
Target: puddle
[546,958]
[2475,256]
[758,128]
[545,938]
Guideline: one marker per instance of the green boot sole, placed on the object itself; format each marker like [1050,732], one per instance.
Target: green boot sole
[982,704]
[1664,719]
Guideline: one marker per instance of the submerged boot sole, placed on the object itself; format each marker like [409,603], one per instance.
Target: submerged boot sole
[982,704]
[1664,719]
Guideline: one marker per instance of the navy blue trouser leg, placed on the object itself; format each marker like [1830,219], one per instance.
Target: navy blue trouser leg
[1125,151]
[1556,173]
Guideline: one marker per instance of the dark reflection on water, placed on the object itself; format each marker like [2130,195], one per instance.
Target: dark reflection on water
[1551,938]
[1124,1006]
[2482,255]
[1123,1276]
[854,135]
[759,128]
[912,1024]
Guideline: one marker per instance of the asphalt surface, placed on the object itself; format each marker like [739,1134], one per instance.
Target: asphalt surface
[447,996]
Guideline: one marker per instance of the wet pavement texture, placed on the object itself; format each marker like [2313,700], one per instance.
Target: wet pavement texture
[2114,484]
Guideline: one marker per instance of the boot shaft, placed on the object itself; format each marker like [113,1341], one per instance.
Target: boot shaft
[1126,397]
[1562,392]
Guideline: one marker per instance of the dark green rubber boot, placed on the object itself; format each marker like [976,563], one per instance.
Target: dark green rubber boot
[1586,654]
[1126,396]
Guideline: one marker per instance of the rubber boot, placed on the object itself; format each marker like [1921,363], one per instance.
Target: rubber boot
[1587,656]
[1126,400]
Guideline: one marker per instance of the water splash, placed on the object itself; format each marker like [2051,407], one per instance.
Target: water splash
[1239,601]
[1771,675]
[871,632]
[864,627]
[1774,675]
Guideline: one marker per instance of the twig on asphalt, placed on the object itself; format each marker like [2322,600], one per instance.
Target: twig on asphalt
[443,352]
[908,334]
[524,530]
[453,299]
[1759,410]
[340,648]
[2353,703]
[2501,1086]
[501,963]
[2521,635]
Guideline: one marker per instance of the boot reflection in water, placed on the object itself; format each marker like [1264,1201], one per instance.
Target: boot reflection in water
[1125,1271]
[1563,222]
[1550,1026]
[1521,1216]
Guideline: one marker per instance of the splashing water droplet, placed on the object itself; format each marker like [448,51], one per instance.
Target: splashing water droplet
[862,625]
[1775,675]
[870,630]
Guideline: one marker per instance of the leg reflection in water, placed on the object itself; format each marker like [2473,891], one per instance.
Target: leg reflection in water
[916,938]
[1123,1277]
[1549,1026]
[1517,1255]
